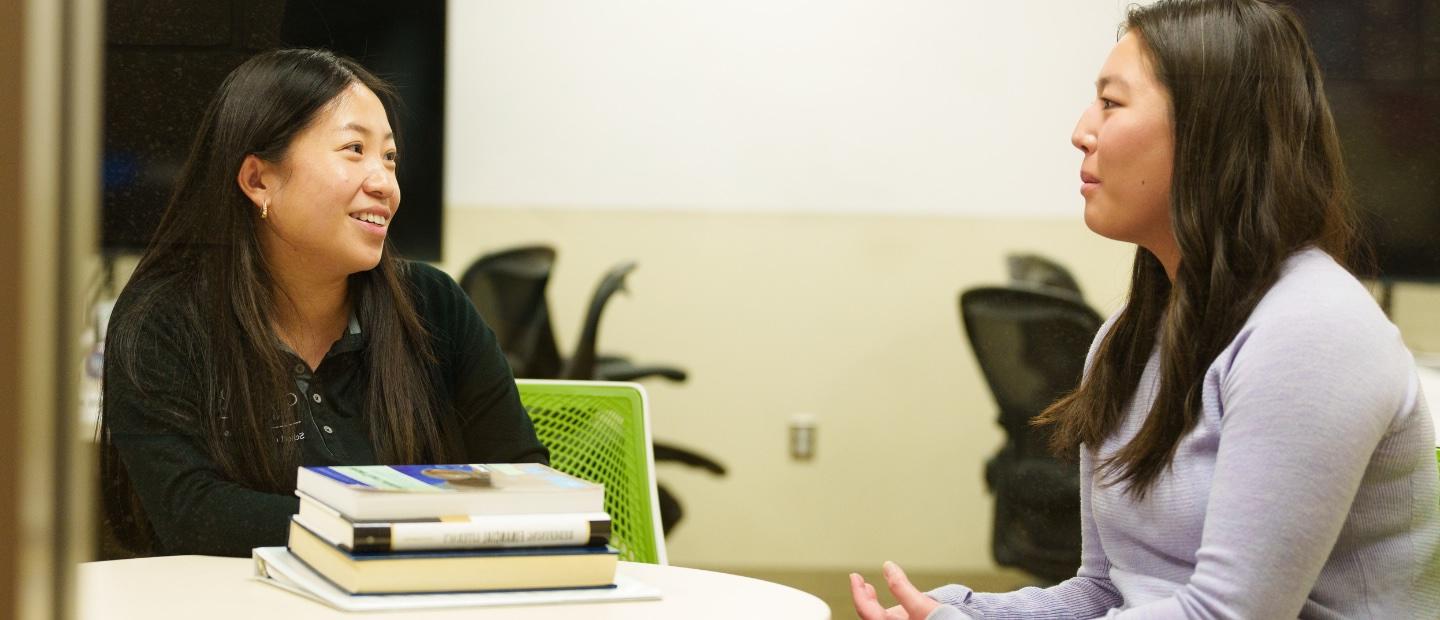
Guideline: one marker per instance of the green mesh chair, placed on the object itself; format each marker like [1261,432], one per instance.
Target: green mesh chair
[600,431]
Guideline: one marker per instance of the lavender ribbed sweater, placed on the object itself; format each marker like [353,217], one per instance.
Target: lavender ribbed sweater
[1308,488]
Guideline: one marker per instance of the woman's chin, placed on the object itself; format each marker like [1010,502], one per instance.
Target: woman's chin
[364,262]
[1093,220]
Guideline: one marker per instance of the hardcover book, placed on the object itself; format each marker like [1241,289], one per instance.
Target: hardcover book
[454,532]
[528,568]
[376,492]
[277,567]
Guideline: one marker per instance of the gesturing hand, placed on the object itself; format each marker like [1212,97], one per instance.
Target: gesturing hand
[914,605]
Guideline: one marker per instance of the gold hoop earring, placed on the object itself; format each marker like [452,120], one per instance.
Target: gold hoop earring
[265,210]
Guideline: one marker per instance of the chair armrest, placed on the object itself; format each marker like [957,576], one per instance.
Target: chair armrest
[670,453]
[620,369]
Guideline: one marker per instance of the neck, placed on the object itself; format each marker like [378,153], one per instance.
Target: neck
[1167,251]
[311,310]
[1171,262]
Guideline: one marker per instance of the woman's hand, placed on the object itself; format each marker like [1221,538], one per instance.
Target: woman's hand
[914,605]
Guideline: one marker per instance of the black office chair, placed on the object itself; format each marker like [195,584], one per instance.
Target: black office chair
[1036,270]
[1031,347]
[586,363]
[508,288]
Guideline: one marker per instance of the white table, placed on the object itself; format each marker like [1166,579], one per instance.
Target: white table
[213,588]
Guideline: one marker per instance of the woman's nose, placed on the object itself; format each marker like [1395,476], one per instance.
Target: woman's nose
[380,183]
[1084,135]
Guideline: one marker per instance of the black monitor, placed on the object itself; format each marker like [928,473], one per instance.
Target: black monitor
[1382,76]
[165,59]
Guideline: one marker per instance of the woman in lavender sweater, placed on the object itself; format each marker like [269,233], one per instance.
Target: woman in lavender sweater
[1253,440]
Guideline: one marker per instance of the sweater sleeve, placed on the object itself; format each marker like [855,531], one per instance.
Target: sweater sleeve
[1088,594]
[494,426]
[1305,401]
[153,417]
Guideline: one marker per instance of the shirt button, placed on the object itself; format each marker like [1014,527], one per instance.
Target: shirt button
[316,398]
[299,369]
[329,430]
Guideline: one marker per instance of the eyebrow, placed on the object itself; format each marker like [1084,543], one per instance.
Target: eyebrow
[357,127]
[1106,80]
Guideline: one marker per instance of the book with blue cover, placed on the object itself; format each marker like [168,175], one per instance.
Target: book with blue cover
[376,492]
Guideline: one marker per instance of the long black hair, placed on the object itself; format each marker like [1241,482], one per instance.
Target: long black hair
[1257,176]
[205,274]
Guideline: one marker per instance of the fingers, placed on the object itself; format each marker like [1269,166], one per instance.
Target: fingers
[916,604]
[867,605]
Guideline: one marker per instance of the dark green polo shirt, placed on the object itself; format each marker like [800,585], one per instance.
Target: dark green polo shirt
[194,508]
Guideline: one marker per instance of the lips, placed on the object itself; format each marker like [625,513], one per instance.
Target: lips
[1088,183]
[378,216]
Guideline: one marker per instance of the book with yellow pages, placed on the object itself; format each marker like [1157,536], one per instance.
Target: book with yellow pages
[527,568]
[276,566]
[377,492]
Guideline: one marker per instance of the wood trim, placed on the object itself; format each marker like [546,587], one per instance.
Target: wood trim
[49,177]
[12,41]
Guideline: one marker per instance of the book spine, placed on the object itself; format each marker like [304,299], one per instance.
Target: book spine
[484,533]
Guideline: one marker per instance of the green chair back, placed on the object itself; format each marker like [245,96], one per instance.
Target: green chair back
[600,431]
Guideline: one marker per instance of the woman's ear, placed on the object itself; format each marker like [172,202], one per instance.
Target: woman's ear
[251,179]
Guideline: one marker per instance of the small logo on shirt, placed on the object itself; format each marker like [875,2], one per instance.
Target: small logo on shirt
[289,432]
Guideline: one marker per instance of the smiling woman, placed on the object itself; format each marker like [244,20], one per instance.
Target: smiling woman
[270,326]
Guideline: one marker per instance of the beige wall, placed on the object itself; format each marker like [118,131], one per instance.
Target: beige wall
[850,318]
[1416,309]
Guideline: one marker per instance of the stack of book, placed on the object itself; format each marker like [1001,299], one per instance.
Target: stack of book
[452,528]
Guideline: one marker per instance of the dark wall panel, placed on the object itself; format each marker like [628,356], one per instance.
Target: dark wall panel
[165,58]
[1382,76]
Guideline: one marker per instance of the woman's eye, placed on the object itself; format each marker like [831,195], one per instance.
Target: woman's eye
[392,156]
[354,148]
[1106,104]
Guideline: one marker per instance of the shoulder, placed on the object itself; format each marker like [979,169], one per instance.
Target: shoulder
[426,279]
[1318,328]
[153,313]
[438,300]
[1316,300]
[435,294]
[154,338]
[1100,334]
